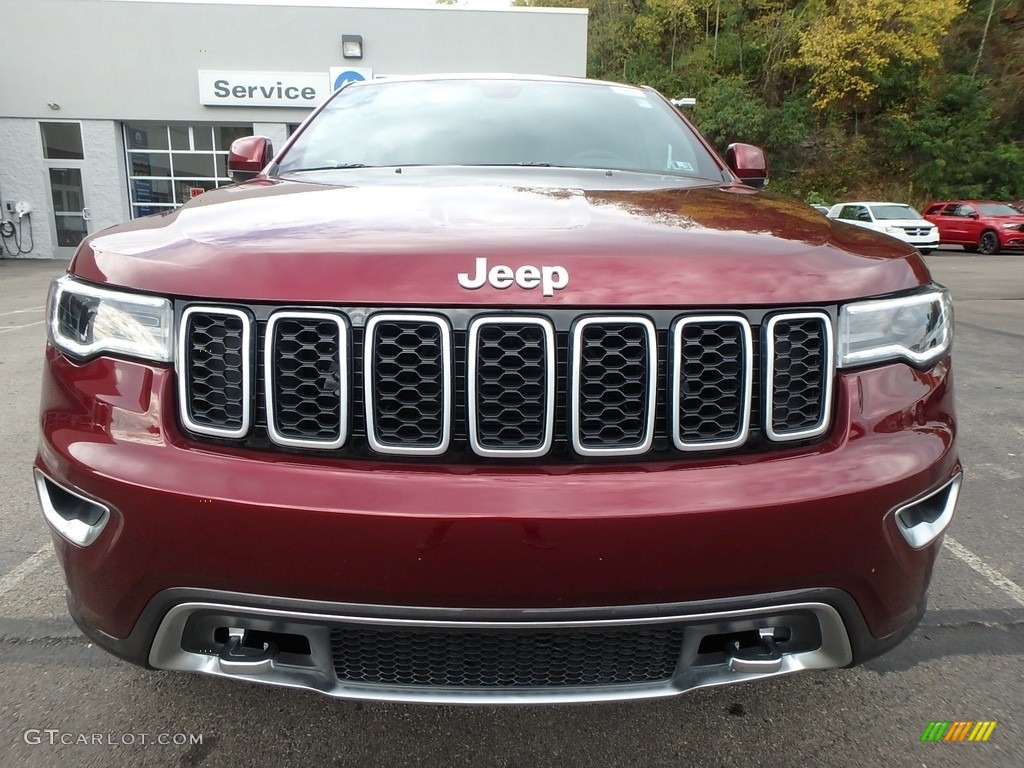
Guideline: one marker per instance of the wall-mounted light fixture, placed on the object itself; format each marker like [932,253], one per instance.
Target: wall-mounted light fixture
[352,46]
[53,105]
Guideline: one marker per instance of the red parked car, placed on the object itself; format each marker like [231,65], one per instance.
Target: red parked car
[979,226]
[497,389]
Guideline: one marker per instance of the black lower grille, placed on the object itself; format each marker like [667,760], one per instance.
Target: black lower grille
[513,658]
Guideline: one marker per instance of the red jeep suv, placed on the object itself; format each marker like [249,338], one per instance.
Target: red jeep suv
[496,389]
[982,227]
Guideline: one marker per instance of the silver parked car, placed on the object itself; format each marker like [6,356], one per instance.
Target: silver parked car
[894,219]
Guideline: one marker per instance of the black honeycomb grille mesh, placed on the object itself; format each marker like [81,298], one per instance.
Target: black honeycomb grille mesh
[512,375]
[214,368]
[506,658]
[799,374]
[712,396]
[307,378]
[614,385]
[408,383]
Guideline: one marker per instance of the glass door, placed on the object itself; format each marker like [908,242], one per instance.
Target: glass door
[63,159]
[70,216]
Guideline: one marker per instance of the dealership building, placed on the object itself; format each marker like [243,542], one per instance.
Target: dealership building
[115,109]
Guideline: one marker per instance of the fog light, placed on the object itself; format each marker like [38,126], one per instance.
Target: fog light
[73,516]
[923,521]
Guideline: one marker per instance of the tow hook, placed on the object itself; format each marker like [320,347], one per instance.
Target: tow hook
[764,659]
[236,658]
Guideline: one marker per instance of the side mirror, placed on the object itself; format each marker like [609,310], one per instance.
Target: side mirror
[248,156]
[749,163]
[972,215]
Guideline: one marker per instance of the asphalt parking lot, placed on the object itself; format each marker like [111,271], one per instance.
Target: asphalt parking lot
[64,702]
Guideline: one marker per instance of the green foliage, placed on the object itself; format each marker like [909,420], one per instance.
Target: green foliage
[906,99]
[730,111]
[950,148]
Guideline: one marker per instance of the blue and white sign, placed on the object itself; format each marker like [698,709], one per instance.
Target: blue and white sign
[343,75]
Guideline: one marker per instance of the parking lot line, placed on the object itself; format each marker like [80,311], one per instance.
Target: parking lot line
[991,575]
[10,581]
[19,327]
[21,311]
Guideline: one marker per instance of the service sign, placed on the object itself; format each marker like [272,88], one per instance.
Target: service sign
[263,89]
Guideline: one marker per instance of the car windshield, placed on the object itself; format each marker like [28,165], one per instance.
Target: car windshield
[894,212]
[997,209]
[499,122]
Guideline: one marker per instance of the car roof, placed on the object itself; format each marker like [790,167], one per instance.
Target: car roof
[454,76]
[860,202]
[968,202]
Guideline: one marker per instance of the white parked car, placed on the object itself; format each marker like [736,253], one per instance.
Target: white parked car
[895,219]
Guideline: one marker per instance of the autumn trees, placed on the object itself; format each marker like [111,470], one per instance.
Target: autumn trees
[881,98]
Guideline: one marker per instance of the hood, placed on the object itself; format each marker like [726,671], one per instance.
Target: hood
[406,241]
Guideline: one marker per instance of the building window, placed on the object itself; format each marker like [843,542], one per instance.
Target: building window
[170,163]
[62,141]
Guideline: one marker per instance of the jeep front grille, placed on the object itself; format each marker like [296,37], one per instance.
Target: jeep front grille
[712,374]
[407,379]
[511,383]
[799,385]
[215,371]
[307,398]
[614,372]
[563,385]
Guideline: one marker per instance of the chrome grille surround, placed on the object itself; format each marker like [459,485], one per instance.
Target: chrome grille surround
[576,417]
[474,374]
[272,375]
[827,372]
[370,370]
[645,377]
[744,380]
[187,363]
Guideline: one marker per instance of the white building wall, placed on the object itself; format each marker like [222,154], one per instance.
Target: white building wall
[104,62]
[104,177]
[23,177]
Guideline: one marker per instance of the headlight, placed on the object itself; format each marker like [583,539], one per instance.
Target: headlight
[916,328]
[85,321]
[894,230]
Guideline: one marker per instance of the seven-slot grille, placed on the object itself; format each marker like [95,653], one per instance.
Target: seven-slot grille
[509,385]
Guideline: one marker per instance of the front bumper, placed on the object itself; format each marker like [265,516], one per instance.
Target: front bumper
[190,519]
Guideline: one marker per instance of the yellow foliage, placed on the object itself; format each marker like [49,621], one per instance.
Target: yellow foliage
[850,43]
[647,30]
